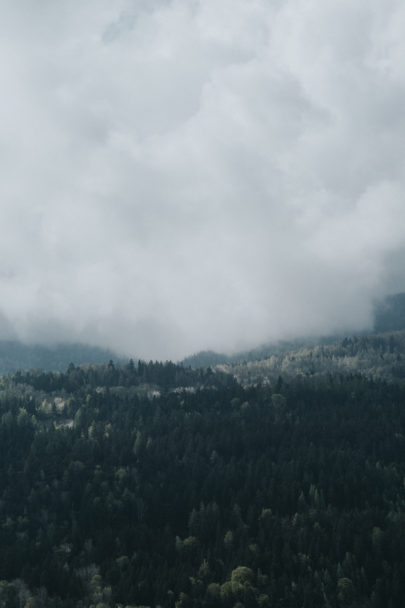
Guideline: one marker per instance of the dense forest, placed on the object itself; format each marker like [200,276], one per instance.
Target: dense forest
[153,484]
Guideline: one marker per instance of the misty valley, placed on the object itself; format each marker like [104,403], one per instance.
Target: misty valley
[202,304]
[272,483]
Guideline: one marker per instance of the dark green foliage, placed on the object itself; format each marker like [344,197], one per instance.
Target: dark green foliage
[153,484]
[146,376]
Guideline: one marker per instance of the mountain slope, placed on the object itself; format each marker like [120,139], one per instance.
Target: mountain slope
[389,316]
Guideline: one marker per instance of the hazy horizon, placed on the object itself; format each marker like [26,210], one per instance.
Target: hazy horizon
[182,175]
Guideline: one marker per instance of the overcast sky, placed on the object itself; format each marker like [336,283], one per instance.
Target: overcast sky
[191,174]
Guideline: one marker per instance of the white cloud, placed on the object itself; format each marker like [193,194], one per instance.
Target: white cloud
[186,175]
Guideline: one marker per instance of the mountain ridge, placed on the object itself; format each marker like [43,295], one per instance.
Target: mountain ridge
[16,355]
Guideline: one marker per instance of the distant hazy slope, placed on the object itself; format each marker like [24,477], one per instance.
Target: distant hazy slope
[390,315]
[205,358]
[16,356]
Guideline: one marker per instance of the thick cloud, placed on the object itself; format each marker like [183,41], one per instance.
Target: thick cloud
[188,174]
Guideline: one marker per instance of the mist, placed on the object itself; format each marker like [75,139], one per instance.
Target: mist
[187,175]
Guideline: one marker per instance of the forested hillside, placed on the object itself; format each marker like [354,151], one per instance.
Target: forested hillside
[376,356]
[153,484]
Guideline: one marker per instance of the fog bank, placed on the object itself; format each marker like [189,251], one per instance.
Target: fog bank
[186,175]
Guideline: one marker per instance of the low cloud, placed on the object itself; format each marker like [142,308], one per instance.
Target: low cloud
[182,175]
